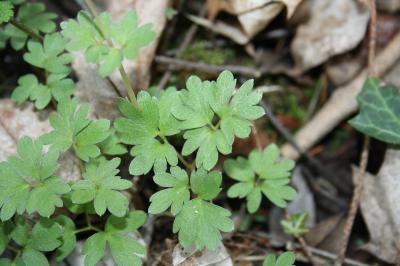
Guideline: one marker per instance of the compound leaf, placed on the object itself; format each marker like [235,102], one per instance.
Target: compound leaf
[101,185]
[31,14]
[200,222]
[175,194]
[28,183]
[73,128]
[140,126]
[124,248]
[50,55]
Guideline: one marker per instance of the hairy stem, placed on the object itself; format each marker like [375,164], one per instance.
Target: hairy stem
[26,29]
[125,78]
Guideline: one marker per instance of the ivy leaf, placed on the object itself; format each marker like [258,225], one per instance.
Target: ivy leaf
[214,113]
[31,14]
[200,223]
[379,115]
[68,237]
[95,37]
[6,11]
[285,259]
[141,126]
[50,55]
[295,224]
[124,248]
[101,185]
[28,183]
[73,128]
[57,87]
[262,173]
[176,192]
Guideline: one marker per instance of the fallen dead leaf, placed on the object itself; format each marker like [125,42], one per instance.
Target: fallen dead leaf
[253,16]
[16,122]
[193,257]
[149,12]
[334,28]
[381,209]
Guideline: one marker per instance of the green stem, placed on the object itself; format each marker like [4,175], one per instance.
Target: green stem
[128,86]
[87,228]
[125,78]
[188,165]
[26,29]
[91,7]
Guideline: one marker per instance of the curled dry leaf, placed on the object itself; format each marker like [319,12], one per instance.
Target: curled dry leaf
[18,122]
[253,16]
[381,210]
[334,28]
[191,256]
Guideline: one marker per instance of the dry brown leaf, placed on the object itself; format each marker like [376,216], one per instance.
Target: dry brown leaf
[334,28]
[149,12]
[191,256]
[253,15]
[17,122]
[381,209]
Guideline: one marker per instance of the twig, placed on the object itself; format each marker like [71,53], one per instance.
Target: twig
[186,41]
[207,68]
[307,250]
[359,181]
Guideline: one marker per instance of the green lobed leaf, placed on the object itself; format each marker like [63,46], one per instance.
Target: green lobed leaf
[295,224]
[28,183]
[73,128]
[102,185]
[379,115]
[57,87]
[206,185]
[200,222]
[124,247]
[263,173]
[175,194]
[34,15]
[142,125]
[113,145]
[50,55]
[68,237]
[214,113]
[285,259]
[95,36]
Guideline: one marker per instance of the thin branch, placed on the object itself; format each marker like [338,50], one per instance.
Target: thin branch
[307,250]
[208,68]
[359,180]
